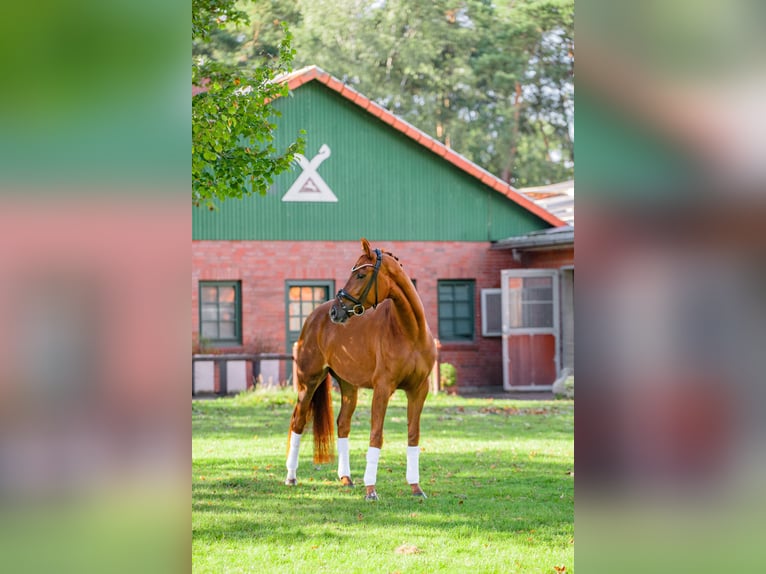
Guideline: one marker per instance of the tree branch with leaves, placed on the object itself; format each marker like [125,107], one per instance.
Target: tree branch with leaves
[233,149]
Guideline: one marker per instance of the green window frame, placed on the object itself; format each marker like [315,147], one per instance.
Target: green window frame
[456,309]
[301,298]
[220,312]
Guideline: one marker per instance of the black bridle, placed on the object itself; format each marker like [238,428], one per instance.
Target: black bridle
[358,308]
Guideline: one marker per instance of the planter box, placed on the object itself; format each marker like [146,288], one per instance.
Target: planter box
[204,377]
[236,376]
[269,375]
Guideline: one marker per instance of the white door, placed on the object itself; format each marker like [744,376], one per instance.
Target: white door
[530,319]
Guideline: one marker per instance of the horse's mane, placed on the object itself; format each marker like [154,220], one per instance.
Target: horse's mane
[395,258]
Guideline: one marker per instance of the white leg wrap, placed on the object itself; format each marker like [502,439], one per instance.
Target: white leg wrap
[292,454]
[371,472]
[344,468]
[413,465]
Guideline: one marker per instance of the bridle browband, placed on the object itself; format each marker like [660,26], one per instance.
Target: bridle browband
[358,308]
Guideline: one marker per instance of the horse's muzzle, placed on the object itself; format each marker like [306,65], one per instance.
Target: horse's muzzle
[337,314]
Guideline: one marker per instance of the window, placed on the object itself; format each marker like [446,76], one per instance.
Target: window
[531,302]
[456,310]
[302,298]
[220,316]
[491,313]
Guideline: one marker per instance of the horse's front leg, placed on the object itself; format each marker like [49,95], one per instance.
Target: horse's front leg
[415,401]
[380,396]
[347,406]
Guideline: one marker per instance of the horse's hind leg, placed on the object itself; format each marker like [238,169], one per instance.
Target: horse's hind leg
[347,406]
[297,424]
[416,398]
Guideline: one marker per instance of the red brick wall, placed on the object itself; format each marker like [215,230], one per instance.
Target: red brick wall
[264,266]
[549,259]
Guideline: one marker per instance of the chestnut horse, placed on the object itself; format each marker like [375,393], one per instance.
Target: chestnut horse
[373,335]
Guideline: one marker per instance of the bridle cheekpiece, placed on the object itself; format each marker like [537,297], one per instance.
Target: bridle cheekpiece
[358,308]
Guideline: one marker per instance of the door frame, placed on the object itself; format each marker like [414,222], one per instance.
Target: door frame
[508,332]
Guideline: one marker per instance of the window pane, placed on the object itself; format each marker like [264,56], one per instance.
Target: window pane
[307,308]
[295,293]
[463,327]
[227,330]
[445,311]
[320,294]
[295,324]
[515,318]
[294,309]
[446,330]
[533,282]
[226,294]
[227,312]
[462,310]
[209,312]
[538,293]
[445,293]
[209,294]
[209,331]
[538,315]
[462,292]
[306,293]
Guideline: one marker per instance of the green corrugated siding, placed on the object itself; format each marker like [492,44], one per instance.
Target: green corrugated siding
[388,186]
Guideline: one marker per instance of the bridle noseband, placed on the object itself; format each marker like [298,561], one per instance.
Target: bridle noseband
[358,308]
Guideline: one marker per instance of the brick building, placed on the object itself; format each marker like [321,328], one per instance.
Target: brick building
[260,265]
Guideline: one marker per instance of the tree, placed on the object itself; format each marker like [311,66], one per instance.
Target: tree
[524,71]
[233,152]
[490,79]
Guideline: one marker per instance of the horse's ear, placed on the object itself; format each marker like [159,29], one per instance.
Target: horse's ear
[366,247]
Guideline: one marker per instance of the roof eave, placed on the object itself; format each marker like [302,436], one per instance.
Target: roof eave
[543,241]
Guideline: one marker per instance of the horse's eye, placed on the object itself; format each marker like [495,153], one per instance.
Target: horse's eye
[360,275]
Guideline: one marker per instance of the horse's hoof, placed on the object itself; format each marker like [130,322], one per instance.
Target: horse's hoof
[417,491]
[291,482]
[346,481]
[372,497]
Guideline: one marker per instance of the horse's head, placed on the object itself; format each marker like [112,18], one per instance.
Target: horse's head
[364,288]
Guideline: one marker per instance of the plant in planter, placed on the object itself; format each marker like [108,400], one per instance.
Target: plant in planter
[268,376]
[261,344]
[448,375]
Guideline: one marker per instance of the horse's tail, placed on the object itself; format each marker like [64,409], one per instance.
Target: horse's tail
[321,407]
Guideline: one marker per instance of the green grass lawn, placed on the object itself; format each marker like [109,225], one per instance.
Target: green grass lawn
[498,475]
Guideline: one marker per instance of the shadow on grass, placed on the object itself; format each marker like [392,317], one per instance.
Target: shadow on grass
[498,494]
[493,471]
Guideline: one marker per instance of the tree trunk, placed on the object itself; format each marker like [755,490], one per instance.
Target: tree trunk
[508,170]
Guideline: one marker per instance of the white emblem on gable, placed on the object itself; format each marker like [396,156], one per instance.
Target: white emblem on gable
[310,186]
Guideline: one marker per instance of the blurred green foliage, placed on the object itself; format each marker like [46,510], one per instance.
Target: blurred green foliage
[448,374]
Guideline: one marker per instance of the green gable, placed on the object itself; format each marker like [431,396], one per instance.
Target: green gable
[388,187]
